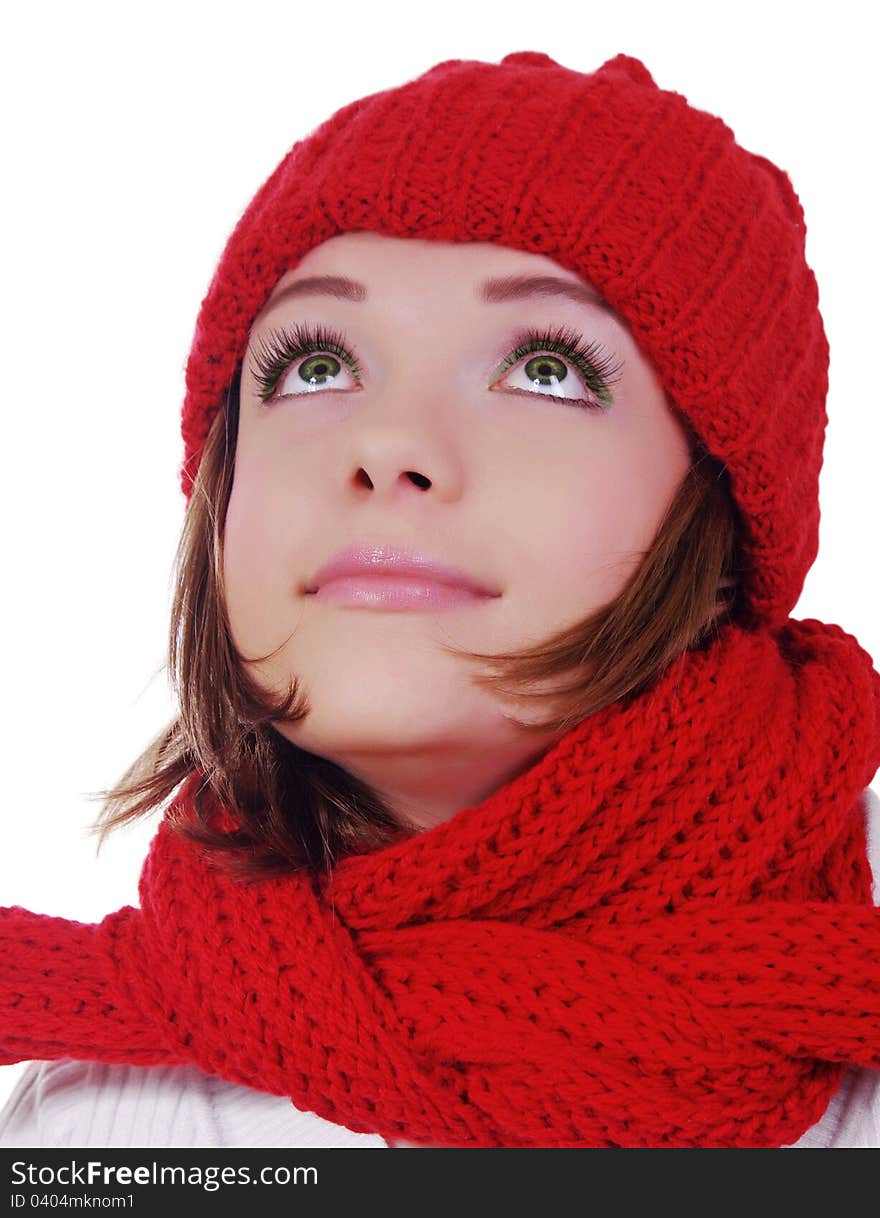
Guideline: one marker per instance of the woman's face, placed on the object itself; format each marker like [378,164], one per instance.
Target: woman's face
[426,431]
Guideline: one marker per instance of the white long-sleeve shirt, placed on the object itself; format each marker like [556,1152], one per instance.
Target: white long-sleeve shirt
[68,1103]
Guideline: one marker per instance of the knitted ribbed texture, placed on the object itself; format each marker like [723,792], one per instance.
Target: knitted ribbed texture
[659,935]
[697,243]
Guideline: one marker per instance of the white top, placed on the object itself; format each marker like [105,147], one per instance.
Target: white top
[68,1103]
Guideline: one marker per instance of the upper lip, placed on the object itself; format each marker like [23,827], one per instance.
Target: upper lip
[379,558]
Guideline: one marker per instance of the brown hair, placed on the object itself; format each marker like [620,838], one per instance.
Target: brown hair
[295,808]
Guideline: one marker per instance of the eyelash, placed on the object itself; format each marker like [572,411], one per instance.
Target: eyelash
[596,367]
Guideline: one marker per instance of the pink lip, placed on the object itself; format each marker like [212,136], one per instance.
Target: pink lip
[381,575]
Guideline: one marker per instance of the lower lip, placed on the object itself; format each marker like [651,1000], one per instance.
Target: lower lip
[399,593]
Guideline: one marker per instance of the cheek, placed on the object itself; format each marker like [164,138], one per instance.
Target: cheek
[604,522]
[256,573]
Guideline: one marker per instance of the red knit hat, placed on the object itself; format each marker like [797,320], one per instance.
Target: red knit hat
[697,243]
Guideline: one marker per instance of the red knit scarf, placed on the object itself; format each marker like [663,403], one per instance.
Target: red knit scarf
[660,935]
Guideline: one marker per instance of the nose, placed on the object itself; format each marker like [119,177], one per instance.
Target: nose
[422,481]
[404,441]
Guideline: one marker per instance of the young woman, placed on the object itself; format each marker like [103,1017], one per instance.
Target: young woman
[507,806]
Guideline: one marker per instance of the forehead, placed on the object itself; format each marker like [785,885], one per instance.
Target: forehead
[379,251]
[360,267]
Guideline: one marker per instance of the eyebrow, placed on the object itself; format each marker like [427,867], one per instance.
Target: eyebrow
[492,291]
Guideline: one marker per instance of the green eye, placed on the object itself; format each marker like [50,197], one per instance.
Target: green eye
[325,348]
[596,367]
[317,368]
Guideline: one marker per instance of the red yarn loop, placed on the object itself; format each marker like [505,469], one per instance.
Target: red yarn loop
[630,67]
[536,59]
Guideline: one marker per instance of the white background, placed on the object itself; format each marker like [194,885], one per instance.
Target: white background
[133,140]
